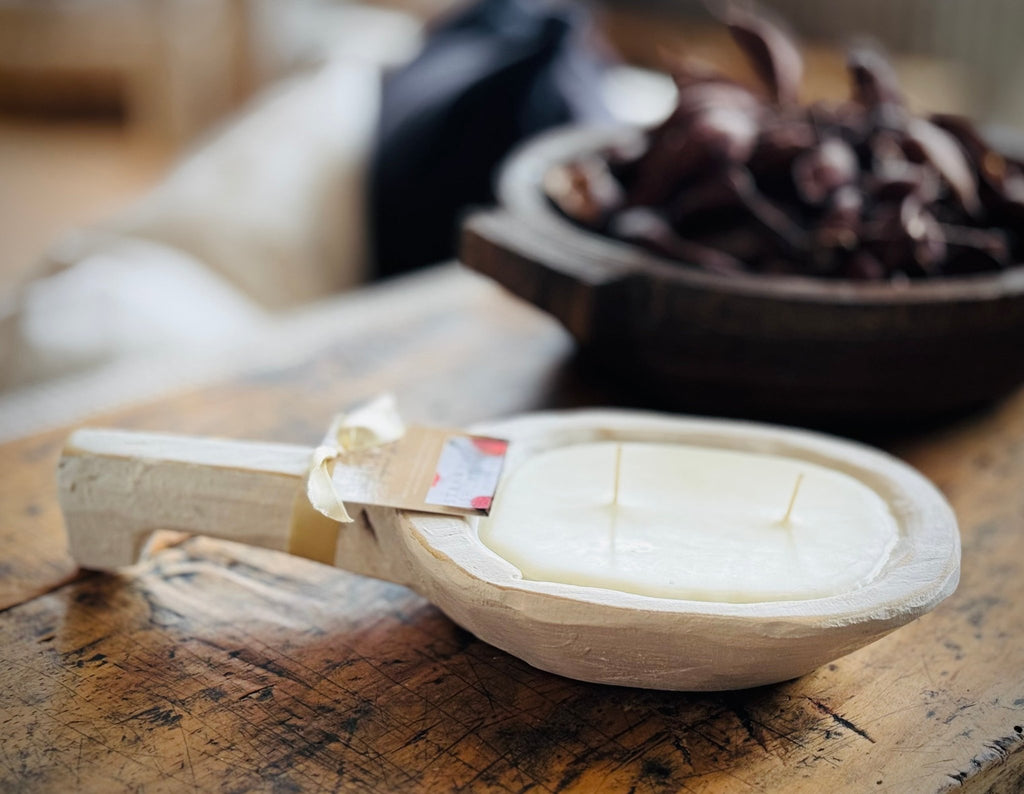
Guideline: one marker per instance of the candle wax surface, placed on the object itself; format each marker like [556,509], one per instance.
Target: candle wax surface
[693,523]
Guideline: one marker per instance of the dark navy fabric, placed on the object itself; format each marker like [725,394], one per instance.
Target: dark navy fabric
[489,77]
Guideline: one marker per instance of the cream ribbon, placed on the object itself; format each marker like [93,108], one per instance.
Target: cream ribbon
[370,425]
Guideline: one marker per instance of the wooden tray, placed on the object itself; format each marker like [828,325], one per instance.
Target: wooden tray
[802,349]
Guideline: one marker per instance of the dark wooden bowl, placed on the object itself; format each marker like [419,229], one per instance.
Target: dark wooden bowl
[803,349]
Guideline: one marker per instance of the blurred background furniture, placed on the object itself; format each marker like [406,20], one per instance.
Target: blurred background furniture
[261,213]
[170,66]
[226,141]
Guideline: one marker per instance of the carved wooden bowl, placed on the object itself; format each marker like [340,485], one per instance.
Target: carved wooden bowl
[799,348]
[116,487]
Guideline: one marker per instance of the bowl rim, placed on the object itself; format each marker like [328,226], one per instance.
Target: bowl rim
[518,190]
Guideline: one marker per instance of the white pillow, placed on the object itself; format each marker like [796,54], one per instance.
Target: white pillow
[275,201]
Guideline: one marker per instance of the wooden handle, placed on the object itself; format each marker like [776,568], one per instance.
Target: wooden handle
[572,285]
[117,487]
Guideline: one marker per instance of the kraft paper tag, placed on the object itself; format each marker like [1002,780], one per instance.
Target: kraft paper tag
[428,470]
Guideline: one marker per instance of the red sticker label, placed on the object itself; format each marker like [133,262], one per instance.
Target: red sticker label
[467,473]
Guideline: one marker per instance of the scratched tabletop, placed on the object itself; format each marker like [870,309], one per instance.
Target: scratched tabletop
[212,666]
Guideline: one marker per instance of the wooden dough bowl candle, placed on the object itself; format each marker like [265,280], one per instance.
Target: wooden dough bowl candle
[774,575]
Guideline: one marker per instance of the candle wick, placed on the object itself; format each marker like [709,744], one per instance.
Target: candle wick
[615,497]
[792,499]
[618,474]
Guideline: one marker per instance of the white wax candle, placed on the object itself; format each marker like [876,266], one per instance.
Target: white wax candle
[691,522]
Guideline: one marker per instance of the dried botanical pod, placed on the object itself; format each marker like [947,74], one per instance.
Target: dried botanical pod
[716,125]
[991,166]
[770,51]
[669,161]
[967,134]
[893,177]
[697,97]
[1001,179]
[649,229]
[904,179]
[779,144]
[725,134]
[905,238]
[786,231]
[822,170]
[846,120]
[943,151]
[783,140]
[875,84]
[585,190]
[976,250]
[885,148]
[709,195]
[929,241]
[839,226]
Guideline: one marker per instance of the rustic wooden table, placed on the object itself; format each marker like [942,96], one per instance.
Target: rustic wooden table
[212,666]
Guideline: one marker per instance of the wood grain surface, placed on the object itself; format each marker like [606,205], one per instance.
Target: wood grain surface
[217,667]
